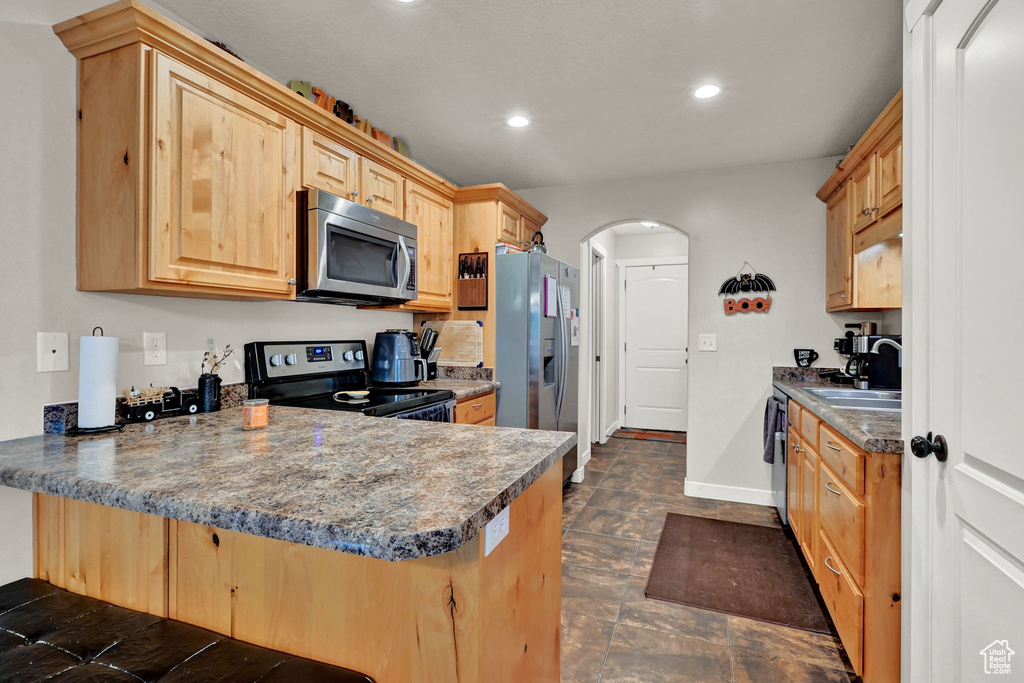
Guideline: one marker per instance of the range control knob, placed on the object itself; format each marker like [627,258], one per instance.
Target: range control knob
[291,359]
[359,355]
[277,359]
[349,355]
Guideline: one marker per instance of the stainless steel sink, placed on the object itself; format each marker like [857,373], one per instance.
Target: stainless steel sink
[856,393]
[867,403]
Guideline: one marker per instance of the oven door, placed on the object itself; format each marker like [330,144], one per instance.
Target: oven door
[360,261]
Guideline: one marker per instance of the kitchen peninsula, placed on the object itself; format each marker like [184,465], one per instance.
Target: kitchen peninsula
[347,539]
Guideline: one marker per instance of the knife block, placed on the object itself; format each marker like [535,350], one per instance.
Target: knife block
[472,291]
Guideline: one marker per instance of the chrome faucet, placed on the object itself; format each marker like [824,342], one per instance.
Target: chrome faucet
[890,342]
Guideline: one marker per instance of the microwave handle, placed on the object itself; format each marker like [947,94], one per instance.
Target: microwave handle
[406,269]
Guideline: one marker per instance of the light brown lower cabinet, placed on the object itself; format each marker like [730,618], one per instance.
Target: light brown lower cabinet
[844,509]
[459,616]
[477,410]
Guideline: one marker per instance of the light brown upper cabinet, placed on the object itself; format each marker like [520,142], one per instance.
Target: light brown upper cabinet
[382,189]
[189,162]
[508,224]
[527,229]
[223,191]
[329,166]
[838,249]
[432,214]
[864,220]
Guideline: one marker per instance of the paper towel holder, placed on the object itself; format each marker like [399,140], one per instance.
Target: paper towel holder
[85,431]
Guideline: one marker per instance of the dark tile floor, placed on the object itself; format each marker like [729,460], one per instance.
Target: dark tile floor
[613,634]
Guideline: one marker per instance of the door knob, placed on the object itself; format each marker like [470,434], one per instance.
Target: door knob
[923,446]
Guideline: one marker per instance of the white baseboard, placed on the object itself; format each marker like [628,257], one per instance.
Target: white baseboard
[582,458]
[616,426]
[734,494]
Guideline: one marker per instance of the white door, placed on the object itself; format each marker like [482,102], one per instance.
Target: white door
[655,347]
[966,526]
[597,434]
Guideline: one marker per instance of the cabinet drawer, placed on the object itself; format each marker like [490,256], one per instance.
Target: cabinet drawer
[476,409]
[844,600]
[845,459]
[841,514]
[809,428]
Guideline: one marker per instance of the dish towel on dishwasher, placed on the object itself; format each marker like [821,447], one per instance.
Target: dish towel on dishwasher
[774,421]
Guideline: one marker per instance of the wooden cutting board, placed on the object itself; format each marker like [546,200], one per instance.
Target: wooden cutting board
[461,342]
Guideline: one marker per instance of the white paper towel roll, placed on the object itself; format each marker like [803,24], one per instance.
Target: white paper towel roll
[97,381]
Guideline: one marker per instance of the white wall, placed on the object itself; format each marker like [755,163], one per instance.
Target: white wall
[37,263]
[765,214]
[657,244]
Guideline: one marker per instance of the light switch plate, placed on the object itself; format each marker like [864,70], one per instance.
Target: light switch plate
[154,348]
[51,351]
[707,342]
[495,531]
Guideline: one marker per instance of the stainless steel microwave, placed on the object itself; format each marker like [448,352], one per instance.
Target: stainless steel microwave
[349,254]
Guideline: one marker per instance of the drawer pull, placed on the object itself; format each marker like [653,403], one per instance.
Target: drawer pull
[828,485]
[831,568]
[832,446]
[477,405]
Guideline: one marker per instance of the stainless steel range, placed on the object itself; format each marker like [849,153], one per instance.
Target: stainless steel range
[332,375]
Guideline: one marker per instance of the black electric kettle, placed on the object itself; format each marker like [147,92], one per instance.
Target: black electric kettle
[394,363]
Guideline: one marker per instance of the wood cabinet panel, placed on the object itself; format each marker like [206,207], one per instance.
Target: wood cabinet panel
[890,171]
[841,515]
[476,409]
[330,166]
[382,189]
[527,229]
[839,252]
[809,505]
[844,599]
[845,459]
[793,471]
[223,188]
[809,424]
[864,193]
[432,214]
[508,224]
[105,553]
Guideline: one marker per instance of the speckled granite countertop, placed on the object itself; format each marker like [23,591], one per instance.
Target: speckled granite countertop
[384,488]
[462,388]
[872,430]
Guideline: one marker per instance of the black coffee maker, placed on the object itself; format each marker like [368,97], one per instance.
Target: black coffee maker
[882,370]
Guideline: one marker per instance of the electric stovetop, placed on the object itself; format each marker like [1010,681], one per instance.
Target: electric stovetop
[321,374]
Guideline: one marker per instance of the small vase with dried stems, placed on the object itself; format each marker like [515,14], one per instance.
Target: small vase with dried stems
[209,381]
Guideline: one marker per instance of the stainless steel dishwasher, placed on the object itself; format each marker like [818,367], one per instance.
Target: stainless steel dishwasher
[779,468]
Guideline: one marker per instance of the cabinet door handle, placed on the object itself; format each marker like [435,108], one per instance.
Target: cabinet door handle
[369,200]
[843,295]
[293,281]
[828,485]
[355,193]
[832,446]
[865,212]
[478,405]
[831,568]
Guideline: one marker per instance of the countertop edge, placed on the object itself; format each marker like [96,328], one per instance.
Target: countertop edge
[284,527]
[828,414]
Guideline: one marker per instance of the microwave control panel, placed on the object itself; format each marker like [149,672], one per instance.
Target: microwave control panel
[411,286]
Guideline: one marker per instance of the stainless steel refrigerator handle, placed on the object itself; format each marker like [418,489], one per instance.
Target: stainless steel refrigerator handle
[403,280]
[563,357]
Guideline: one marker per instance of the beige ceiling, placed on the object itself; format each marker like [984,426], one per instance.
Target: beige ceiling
[607,84]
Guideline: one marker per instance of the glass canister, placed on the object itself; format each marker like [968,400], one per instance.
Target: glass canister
[255,413]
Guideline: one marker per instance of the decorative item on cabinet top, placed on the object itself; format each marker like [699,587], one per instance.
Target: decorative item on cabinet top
[346,113]
[747,282]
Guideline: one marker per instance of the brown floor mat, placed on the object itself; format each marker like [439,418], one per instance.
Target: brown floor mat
[648,435]
[742,569]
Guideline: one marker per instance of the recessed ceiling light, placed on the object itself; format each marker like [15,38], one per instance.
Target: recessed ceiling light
[706,91]
[406,0]
[648,224]
[518,121]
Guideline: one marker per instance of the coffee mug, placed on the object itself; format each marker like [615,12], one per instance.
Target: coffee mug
[804,357]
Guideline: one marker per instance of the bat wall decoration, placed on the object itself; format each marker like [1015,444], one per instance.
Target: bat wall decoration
[742,283]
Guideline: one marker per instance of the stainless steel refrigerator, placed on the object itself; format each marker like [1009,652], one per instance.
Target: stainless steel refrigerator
[537,334]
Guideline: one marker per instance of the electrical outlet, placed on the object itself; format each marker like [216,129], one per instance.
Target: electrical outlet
[707,342]
[495,531]
[154,348]
[51,351]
